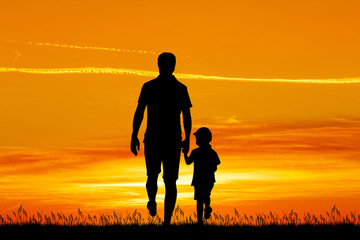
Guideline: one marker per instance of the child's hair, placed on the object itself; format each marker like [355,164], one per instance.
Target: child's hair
[203,134]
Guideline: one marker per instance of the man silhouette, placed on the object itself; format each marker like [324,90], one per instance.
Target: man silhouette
[165,99]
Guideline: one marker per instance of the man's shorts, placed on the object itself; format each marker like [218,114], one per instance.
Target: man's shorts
[167,153]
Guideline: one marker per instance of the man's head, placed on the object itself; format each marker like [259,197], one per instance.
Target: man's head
[166,63]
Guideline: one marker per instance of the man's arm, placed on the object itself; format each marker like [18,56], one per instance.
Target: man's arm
[138,117]
[187,129]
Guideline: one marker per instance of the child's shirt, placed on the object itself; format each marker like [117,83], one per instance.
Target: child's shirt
[205,164]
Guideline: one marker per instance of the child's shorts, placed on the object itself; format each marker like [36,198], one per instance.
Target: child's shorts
[203,191]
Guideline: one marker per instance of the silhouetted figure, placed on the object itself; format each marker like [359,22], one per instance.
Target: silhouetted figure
[205,161]
[165,99]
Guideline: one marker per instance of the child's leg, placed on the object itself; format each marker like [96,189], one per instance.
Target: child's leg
[199,208]
[208,209]
[207,203]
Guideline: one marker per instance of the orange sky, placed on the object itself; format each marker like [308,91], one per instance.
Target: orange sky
[64,140]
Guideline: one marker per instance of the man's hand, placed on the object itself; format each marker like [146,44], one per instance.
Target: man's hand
[135,145]
[187,129]
[138,117]
[185,146]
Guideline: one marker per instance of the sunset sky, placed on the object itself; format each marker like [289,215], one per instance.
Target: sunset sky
[277,82]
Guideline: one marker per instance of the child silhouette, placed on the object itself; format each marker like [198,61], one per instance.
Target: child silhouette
[205,161]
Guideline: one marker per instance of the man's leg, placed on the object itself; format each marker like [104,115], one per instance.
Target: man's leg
[171,172]
[151,188]
[153,168]
[170,200]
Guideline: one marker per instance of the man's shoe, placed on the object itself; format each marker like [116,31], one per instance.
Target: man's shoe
[151,206]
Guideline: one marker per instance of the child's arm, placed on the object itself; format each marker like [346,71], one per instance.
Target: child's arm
[216,161]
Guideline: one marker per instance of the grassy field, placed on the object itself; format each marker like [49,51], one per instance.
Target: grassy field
[332,222]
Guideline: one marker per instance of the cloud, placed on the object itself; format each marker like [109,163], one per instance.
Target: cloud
[332,137]
[20,161]
[46,44]
[139,72]
[293,143]
[144,73]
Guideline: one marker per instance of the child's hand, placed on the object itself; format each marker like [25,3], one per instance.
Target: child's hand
[185,146]
[187,158]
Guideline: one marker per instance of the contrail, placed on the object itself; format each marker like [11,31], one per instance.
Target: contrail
[85,70]
[91,48]
[144,73]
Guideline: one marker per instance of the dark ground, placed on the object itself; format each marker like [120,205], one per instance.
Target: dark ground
[182,231]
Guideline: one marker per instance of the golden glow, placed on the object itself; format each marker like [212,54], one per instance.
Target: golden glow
[289,160]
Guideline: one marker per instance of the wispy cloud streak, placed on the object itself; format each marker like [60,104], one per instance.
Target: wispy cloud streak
[144,73]
[121,50]
[332,138]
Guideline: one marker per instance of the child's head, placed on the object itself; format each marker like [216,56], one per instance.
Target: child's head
[203,136]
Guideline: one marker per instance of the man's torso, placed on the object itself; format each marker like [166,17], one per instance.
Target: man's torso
[165,98]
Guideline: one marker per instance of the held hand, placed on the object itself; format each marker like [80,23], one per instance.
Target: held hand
[135,145]
[185,146]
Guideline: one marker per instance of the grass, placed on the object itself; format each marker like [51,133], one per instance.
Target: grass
[332,221]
